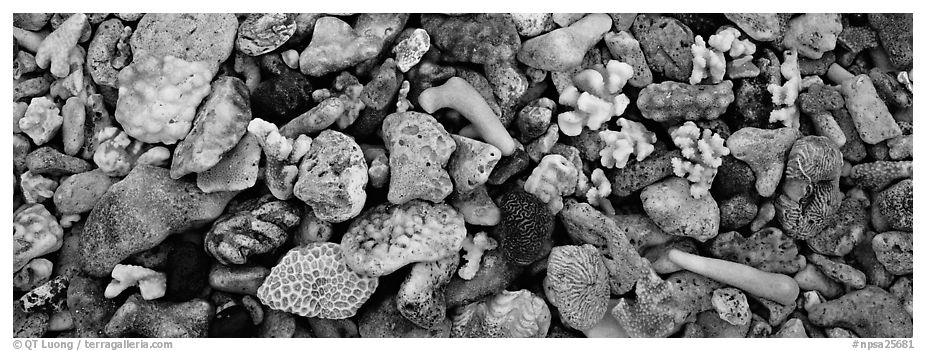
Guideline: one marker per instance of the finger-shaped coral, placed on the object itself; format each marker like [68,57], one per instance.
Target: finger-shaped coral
[810,195]
[552,179]
[633,138]
[509,314]
[564,48]
[219,124]
[332,177]
[670,205]
[56,47]
[870,312]
[419,148]
[335,46]
[471,163]
[475,246]
[768,250]
[388,237]
[156,319]
[158,97]
[139,212]
[151,284]
[895,251]
[315,281]
[661,306]
[776,287]
[672,102]
[525,226]
[460,95]
[766,153]
[421,297]
[35,233]
[255,227]
[577,284]
[595,94]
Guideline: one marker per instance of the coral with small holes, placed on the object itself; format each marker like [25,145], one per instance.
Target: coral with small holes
[315,281]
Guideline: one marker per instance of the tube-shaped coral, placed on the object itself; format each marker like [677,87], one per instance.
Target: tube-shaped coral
[633,138]
[773,286]
[702,156]
[595,94]
[459,95]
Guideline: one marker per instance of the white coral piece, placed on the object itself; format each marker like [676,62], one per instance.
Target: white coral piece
[36,188]
[633,138]
[706,63]
[727,41]
[601,189]
[552,179]
[275,145]
[151,283]
[785,95]
[596,97]
[475,246]
[702,156]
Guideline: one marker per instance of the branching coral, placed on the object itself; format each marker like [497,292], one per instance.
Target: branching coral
[598,194]
[727,41]
[785,95]
[702,156]
[707,62]
[315,281]
[277,146]
[552,179]
[595,94]
[475,246]
[633,138]
[151,283]
[57,46]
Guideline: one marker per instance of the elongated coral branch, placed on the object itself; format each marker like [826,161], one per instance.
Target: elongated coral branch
[459,95]
[773,286]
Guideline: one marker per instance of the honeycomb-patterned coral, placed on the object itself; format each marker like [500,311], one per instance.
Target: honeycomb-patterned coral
[673,102]
[577,284]
[388,237]
[314,281]
[526,224]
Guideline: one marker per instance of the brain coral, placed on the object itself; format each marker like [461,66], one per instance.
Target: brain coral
[526,224]
[314,281]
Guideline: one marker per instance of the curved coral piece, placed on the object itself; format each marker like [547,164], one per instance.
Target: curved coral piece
[510,314]
[577,284]
[672,102]
[217,128]
[475,246]
[525,226]
[633,138]
[459,95]
[152,284]
[552,179]
[251,228]
[773,286]
[810,195]
[36,232]
[768,249]
[315,281]
[388,237]
[158,97]
[57,46]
